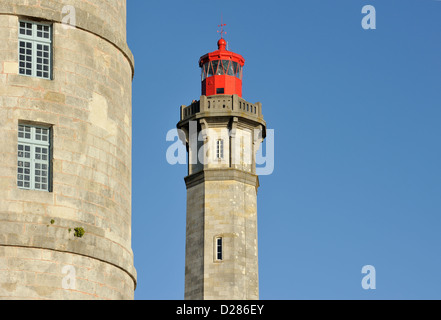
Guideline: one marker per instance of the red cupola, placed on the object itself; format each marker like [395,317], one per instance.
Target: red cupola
[221,71]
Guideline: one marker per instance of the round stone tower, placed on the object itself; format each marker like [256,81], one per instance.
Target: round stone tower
[65,163]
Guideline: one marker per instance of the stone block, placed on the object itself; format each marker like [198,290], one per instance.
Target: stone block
[10,67]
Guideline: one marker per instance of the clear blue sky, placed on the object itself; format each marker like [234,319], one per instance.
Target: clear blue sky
[357,120]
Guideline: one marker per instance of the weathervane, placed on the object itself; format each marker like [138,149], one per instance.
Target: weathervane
[222,25]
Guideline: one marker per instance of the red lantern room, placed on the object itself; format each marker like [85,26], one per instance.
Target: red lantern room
[221,71]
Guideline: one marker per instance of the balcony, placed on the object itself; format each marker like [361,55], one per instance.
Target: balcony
[221,106]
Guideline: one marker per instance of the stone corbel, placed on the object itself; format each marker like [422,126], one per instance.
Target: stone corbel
[204,129]
[233,126]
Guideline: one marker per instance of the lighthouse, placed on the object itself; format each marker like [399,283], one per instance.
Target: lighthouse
[222,132]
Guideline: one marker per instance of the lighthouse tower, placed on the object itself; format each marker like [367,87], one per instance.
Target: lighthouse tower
[223,133]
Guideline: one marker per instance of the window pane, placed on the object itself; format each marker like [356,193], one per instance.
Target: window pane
[41,153]
[40,178]
[42,134]
[204,71]
[24,151]
[25,57]
[42,31]
[25,29]
[220,149]
[33,158]
[215,66]
[34,42]
[24,132]
[210,70]
[23,174]
[42,64]
[225,64]
[231,68]
[235,64]
[219,248]
[218,64]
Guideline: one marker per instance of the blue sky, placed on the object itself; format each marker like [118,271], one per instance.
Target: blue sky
[356,115]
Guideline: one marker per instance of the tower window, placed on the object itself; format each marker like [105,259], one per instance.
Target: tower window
[220,91]
[219,249]
[33,166]
[220,149]
[35,49]
[221,67]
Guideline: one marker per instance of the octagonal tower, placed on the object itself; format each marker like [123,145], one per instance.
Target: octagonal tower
[222,132]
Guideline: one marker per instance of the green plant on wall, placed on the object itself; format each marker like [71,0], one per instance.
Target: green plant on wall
[79,232]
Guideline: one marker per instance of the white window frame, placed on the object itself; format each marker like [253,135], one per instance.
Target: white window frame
[34,143]
[34,40]
[220,149]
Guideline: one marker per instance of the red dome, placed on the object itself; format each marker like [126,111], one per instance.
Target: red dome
[221,44]
[221,71]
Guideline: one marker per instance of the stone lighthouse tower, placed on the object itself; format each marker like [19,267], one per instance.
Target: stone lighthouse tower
[223,133]
[65,163]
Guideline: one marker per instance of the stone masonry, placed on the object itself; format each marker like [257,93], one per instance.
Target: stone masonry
[222,198]
[87,106]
